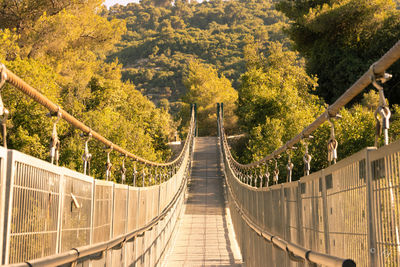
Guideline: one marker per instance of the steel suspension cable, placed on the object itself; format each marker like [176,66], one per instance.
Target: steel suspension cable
[27,89]
[377,69]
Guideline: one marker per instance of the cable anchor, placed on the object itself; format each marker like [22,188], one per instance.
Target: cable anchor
[135,172]
[289,165]
[307,157]
[86,157]
[143,175]
[267,175]
[123,170]
[260,177]
[276,172]
[3,111]
[55,141]
[332,142]
[382,113]
[108,163]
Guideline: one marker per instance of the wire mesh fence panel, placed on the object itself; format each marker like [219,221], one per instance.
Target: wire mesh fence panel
[149,204]
[146,251]
[268,212]
[76,218]
[156,199]
[34,197]
[277,208]
[103,201]
[153,253]
[50,209]
[347,211]
[142,207]
[3,173]
[291,223]
[139,251]
[118,256]
[385,176]
[130,247]
[174,187]
[120,209]
[168,191]
[120,202]
[133,208]
[313,227]
[261,207]
[133,211]
[252,204]
[163,196]
[100,261]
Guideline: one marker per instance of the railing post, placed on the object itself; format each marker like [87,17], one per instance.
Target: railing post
[60,211]
[10,174]
[284,226]
[137,225]
[372,246]
[109,252]
[3,216]
[300,234]
[325,213]
[92,214]
[125,249]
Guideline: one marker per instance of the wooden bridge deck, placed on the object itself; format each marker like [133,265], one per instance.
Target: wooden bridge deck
[205,236]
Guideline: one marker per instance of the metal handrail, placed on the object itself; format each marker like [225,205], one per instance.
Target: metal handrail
[295,252]
[76,254]
[378,68]
[24,87]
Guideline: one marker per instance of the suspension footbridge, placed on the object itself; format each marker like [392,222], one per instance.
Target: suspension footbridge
[204,208]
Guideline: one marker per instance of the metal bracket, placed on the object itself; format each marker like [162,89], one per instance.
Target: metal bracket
[379,77]
[108,163]
[382,123]
[55,141]
[86,157]
[75,202]
[123,170]
[3,111]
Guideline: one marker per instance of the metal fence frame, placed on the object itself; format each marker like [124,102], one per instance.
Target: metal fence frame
[346,210]
[149,227]
[44,173]
[3,173]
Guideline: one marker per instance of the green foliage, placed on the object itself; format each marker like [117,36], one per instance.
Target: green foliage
[161,41]
[28,119]
[275,104]
[60,50]
[341,39]
[206,89]
[271,93]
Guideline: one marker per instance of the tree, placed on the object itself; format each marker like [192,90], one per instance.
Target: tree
[341,39]
[61,52]
[274,101]
[206,88]
[162,40]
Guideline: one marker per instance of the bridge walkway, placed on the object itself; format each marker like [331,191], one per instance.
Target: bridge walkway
[205,236]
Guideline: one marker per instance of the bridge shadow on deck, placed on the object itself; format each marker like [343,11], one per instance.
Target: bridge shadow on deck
[203,238]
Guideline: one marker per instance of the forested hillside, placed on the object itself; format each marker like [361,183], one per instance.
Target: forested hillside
[162,38]
[59,48]
[274,64]
[341,39]
[284,88]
